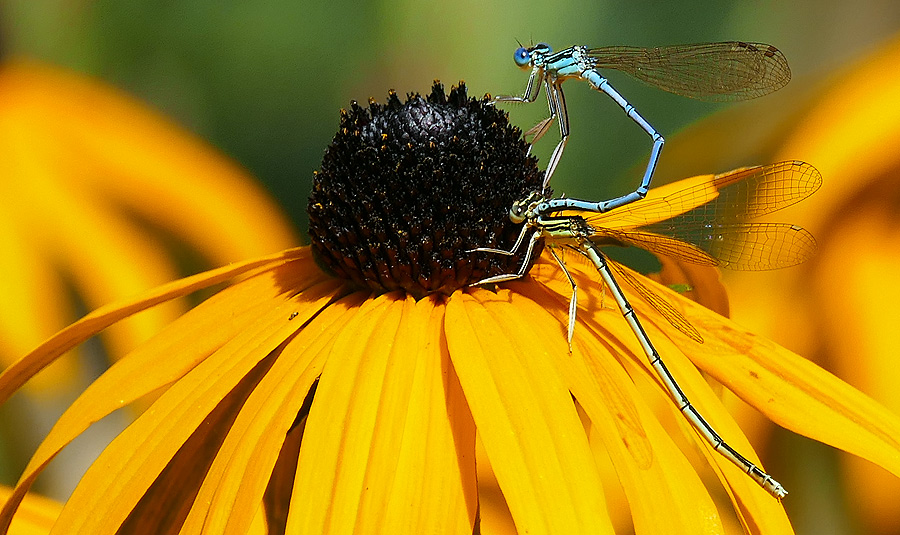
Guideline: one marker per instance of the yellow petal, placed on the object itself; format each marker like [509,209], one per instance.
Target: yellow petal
[851,132]
[87,168]
[664,491]
[21,371]
[334,455]
[235,482]
[792,391]
[754,505]
[134,434]
[175,351]
[421,472]
[30,290]
[212,392]
[35,516]
[653,208]
[128,153]
[528,423]
[755,508]
[389,444]
[105,254]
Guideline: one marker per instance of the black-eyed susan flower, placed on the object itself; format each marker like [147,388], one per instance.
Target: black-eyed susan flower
[81,161]
[342,387]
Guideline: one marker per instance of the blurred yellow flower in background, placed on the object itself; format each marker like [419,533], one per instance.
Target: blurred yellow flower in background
[36,515]
[101,198]
[841,309]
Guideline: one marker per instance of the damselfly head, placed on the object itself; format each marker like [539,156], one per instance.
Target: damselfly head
[518,211]
[527,57]
[523,208]
[522,57]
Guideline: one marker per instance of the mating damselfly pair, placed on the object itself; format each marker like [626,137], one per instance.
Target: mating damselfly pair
[704,222]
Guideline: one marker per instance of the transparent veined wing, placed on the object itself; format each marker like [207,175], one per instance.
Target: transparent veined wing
[706,222]
[658,302]
[662,305]
[731,70]
[741,246]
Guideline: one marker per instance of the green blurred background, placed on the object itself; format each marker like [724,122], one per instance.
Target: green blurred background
[264,80]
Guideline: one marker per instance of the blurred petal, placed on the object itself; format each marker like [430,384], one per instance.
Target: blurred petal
[35,516]
[92,180]
[31,311]
[128,153]
[851,131]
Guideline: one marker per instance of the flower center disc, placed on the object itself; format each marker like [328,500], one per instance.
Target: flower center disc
[407,189]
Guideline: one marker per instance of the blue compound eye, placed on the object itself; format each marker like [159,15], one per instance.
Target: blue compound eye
[522,56]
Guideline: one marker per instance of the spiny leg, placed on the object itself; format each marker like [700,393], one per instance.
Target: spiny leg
[531,89]
[557,102]
[573,301]
[511,252]
[703,428]
[523,268]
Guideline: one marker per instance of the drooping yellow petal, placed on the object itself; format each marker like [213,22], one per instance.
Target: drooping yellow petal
[17,374]
[142,451]
[755,506]
[328,488]
[527,421]
[664,491]
[421,473]
[756,509]
[190,339]
[235,482]
[178,349]
[792,391]
[35,516]
[799,395]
